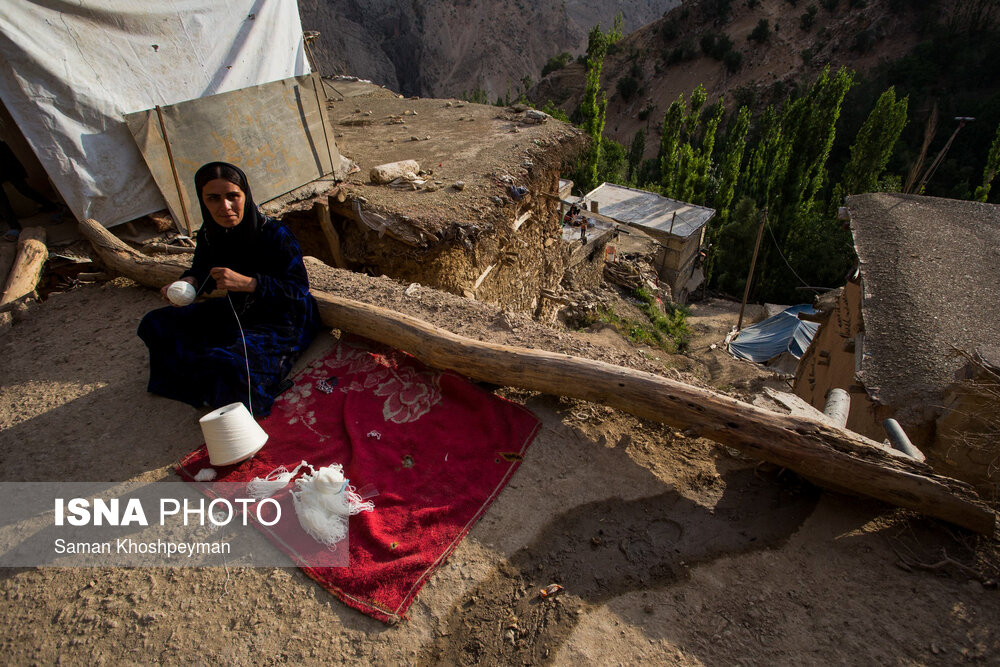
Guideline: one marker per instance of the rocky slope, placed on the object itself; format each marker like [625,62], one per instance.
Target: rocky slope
[858,37]
[444,48]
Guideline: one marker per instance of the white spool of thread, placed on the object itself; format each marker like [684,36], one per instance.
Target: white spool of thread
[181,293]
[231,434]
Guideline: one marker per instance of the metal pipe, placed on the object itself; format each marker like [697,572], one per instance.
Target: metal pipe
[838,406]
[899,440]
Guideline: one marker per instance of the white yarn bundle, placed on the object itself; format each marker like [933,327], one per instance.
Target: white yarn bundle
[324,499]
[181,293]
[205,475]
[323,502]
[231,434]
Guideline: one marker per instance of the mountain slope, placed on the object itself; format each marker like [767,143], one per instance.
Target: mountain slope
[859,39]
[443,48]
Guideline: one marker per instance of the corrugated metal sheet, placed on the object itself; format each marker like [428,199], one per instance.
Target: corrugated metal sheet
[649,211]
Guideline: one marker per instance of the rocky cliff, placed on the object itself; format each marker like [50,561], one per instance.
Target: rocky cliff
[444,48]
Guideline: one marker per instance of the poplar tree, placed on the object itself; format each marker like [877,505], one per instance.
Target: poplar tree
[670,140]
[635,155]
[595,100]
[685,166]
[729,171]
[872,148]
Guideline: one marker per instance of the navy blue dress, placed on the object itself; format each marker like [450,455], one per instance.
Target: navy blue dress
[196,352]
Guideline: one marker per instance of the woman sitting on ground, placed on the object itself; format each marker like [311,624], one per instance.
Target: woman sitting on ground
[201,353]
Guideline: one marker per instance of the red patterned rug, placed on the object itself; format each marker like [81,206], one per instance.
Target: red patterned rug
[435,447]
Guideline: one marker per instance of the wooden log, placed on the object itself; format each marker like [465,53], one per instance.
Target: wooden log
[27,267]
[322,212]
[164,249]
[824,453]
[122,259]
[819,451]
[384,225]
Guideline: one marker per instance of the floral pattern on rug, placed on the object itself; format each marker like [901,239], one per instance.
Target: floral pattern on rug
[409,393]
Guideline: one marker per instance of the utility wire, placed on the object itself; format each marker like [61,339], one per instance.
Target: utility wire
[781,254]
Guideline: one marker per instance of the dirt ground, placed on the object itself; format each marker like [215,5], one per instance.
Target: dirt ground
[671,549]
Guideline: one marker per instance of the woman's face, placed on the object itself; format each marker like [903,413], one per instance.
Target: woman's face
[224,201]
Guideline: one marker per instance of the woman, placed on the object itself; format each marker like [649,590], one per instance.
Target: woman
[196,352]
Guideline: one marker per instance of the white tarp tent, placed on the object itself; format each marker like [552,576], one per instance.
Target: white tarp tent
[68,73]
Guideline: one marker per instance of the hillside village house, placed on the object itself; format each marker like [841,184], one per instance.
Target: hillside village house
[678,227]
[925,288]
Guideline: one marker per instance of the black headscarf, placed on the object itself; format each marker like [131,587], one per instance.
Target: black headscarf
[232,247]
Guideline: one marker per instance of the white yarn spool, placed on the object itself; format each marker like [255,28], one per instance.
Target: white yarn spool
[181,293]
[231,434]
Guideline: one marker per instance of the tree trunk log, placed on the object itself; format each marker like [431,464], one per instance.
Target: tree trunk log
[122,259]
[322,212]
[164,249]
[27,266]
[828,455]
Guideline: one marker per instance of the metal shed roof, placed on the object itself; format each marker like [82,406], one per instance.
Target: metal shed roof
[649,211]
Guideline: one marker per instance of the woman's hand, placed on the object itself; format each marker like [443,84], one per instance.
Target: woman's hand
[228,279]
[187,279]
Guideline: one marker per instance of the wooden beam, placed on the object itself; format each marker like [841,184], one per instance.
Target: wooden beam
[481,278]
[322,212]
[522,219]
[122,259]
[27,266]
[164,249]
[347,209]
[829,455]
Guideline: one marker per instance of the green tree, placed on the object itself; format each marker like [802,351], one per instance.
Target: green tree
[595,102]
[991,169]
[811,121]
[686,144]
[761,33]
[556,63]
[736,143]
[872,148]
[785,172]
[635,155]
[670,141]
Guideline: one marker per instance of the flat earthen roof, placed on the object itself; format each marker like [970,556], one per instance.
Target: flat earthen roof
[477,144]
[930,272]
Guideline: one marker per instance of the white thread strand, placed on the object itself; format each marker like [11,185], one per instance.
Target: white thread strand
[265,487]
[246,356]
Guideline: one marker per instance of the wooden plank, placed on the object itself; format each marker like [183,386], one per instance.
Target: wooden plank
[479,281]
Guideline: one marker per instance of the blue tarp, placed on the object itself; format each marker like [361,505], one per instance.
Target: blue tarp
[784,332]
